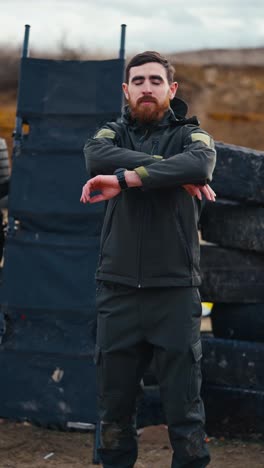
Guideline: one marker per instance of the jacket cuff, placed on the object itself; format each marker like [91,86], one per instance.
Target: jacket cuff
[141,172]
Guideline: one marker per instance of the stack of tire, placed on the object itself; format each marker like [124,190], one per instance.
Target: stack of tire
[232,262]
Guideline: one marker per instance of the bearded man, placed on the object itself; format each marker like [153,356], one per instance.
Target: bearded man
[153,167]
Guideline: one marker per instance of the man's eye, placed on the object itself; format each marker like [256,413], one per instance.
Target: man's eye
[138,82]
[156,82]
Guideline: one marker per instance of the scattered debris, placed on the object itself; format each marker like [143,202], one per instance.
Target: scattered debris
[49,455]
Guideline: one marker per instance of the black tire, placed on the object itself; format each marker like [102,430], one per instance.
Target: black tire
[233,411]
[230,275]
[239,173]
[238,321]
[229,411]
[230,363]
[232,224]
[233,363]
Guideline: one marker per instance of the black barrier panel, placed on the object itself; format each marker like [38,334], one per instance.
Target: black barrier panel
[46,190]
[71,333]
[63,87]
[49,271]
[65,134]
[51,390]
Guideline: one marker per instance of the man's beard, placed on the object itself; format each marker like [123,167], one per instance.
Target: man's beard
[147,114]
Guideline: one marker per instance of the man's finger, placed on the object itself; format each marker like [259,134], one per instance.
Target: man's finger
[84,199]
[208,192]
[211,192]
[210,189]
[197,192]
[97,198]
[85,193]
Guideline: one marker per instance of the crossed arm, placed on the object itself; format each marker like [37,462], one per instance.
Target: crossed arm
[109,187]
[103,157]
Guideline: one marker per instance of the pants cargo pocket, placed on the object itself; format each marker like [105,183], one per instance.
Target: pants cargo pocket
[97,355]
[195,374]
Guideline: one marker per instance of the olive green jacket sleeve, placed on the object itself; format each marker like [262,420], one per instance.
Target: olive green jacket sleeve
[104,156]
[194,165]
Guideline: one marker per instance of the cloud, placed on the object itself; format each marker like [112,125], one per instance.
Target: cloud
[96,24]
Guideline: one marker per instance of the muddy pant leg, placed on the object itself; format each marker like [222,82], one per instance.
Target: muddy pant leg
[121,360]
[185,415]
[178,357]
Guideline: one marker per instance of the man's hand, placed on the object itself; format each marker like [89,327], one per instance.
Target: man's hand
[197,190]
[108,185]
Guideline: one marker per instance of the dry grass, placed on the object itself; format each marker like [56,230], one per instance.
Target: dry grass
[7,123]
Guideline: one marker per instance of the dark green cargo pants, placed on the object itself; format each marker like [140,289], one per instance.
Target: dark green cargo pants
[134,326]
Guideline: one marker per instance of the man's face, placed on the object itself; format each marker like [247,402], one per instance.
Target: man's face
[148,92]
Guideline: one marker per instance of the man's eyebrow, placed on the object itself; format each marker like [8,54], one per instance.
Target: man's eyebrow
[138,77]
[142,77]
[156,77]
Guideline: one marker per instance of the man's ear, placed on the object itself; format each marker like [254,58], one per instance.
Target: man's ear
[173,89]
[125,89]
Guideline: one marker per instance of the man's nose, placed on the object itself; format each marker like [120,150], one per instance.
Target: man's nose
[147,89]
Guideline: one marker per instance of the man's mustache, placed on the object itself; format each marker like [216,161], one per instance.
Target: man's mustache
[146,99]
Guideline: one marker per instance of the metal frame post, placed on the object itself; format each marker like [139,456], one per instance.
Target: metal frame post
[122,57]
[122,42]
[18,126]
[26,41]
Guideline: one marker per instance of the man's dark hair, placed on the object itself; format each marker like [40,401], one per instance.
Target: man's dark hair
[150,56]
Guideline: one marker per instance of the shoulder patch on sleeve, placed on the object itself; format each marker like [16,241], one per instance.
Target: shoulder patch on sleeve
[201,137]
[105,133]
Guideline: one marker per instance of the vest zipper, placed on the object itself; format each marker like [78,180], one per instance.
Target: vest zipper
[155,147]
[139,285]
[184,240]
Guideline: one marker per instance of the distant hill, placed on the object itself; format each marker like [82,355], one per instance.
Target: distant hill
[250,56]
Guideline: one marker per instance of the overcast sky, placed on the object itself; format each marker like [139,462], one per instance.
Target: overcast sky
[164,25]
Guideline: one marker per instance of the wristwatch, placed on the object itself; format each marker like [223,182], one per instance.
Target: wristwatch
[120,174]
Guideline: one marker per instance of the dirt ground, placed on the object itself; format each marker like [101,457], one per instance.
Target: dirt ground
[25,446]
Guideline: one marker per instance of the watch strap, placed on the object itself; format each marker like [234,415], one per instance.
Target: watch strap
[120,174]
